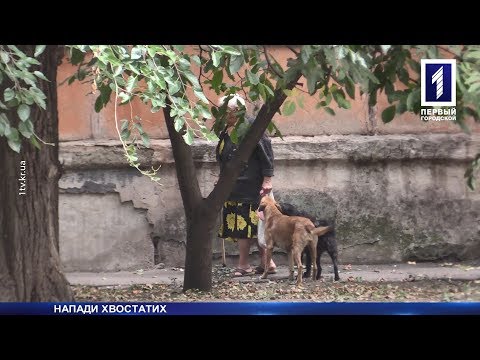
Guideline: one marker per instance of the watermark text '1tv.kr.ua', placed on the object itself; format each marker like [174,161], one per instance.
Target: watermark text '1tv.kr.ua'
[22,189]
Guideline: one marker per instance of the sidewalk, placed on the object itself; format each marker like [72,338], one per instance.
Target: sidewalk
[389,272]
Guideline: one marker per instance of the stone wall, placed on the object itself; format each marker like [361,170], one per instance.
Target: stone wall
[394,198]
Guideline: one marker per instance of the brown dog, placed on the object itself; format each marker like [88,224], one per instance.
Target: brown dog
[291,233]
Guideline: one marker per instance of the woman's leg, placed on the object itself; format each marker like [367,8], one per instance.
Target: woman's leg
[244,267]
[244,253]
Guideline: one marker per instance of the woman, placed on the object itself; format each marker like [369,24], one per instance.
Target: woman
[239,211]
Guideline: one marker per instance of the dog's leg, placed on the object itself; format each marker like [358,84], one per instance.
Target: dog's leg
[313,250]
[297,254]
[319,267]
[334,257]
[268,258]
[308,263]
[290,265]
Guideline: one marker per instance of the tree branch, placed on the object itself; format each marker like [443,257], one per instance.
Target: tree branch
[269,64]
[233,167]
[293,50]
[186,171]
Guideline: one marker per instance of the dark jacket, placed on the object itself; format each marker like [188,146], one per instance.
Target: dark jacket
[249,182]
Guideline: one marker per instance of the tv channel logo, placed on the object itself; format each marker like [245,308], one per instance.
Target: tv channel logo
[438,87]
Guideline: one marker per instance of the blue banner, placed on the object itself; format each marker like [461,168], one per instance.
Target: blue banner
[240,308]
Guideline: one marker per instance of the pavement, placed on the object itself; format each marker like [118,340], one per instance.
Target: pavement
[385,272]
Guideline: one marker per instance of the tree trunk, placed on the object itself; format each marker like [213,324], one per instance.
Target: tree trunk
[30,267]
[200,234]
[201,213]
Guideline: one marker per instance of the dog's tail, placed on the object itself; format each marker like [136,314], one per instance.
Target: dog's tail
[319,230]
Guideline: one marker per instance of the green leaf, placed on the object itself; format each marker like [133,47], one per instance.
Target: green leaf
[40,75]
[98,104]
[217,79]
[262,92]
[305,53]
[252,78]
[34,142]
[234,136]
[4,125]
[139,127]
[330,111]
[196,60]
[125,124]
[199,94]
[388,114]
[188,137]
[272,129]
[14,140]
[236,62]
[288,108]
[179,122]
[125,134]
[173,87]
[146,140]
[4,57]
[350,87]
[26,128]
[183,63]
[412,99]
[403,76]
[231,50]
[39,49]
[23,112]
[77,56]
[401,107]
[414,65]
[14,145]
[136,53]
[216,57]
[204,111]
[385,48]
[131,82]
[179,47]
[105,92]
[192,78]
[8,94]
[340,99]
[312,78]
[300,102]
[118,71]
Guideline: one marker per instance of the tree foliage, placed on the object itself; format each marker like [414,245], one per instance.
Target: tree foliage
[158,74]
[178,75]
[20,73]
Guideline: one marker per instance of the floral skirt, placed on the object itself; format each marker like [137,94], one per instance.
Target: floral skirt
[239,221]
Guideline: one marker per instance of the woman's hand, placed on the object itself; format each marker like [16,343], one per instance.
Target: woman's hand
[266,186]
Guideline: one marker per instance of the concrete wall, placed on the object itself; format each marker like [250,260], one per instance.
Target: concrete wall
[395,197]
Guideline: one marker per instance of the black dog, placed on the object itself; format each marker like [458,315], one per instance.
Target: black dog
[325,242]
